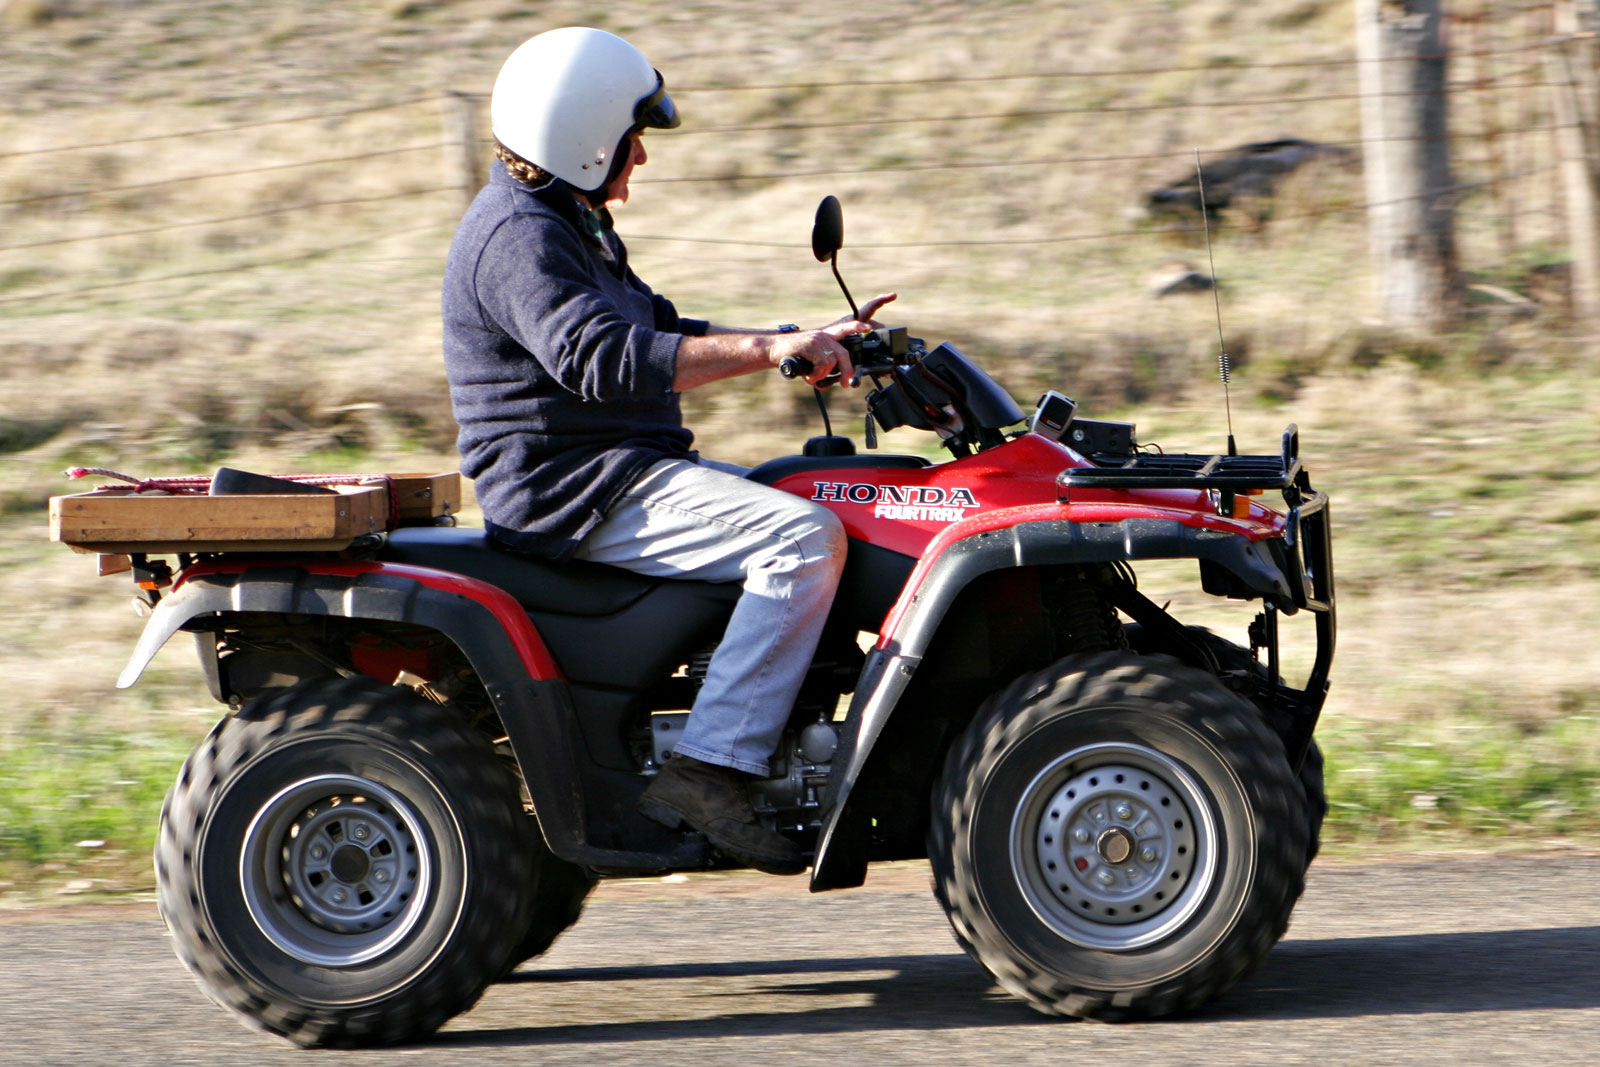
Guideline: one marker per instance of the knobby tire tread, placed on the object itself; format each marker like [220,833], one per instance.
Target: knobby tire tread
[557,893]
[1234,657]
[1234,727]
[484,798]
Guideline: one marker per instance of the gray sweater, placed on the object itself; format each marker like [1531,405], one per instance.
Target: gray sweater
[560,363]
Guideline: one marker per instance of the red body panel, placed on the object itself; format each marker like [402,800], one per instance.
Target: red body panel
[904,509]
[920,511]
[529,646]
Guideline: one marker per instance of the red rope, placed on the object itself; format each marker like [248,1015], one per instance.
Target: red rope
[183,484]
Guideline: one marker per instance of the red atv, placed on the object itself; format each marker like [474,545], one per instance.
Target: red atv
[434,746]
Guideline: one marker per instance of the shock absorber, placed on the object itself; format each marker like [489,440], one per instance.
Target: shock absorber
[1083,619]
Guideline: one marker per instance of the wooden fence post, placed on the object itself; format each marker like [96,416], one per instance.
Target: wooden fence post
[463,153]
[1410,194]
[1575,85]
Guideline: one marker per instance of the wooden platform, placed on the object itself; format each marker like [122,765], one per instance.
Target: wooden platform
[121,520]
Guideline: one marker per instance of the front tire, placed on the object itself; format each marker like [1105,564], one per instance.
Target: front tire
[1243,673]
[339,864]
[1316,799]
[1118,837]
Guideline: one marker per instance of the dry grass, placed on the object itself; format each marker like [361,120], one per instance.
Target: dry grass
[1460,466]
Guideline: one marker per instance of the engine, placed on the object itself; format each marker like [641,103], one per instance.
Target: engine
[793,795]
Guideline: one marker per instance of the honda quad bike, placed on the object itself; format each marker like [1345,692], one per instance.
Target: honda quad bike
[434,747]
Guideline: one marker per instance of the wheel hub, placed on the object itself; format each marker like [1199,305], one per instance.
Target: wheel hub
[347,862]
[334,870]
[1110,845]
[1115,845]
[350,865]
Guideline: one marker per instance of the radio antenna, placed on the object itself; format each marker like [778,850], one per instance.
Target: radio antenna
[1216,299]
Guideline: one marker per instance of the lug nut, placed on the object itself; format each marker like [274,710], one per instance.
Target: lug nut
[1081,836]
[319,852]
[1147,854]
[1106,877]
[360,832]
[1124,811]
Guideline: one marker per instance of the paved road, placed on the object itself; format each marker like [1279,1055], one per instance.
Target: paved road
[1464,961]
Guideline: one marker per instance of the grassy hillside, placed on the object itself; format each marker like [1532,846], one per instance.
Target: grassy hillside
[240,301]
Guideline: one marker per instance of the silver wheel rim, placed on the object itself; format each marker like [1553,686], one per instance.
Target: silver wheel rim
[336,870]
[1114,846]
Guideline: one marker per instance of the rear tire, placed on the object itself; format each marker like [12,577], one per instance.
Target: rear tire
[556,891]
[340,862]
[1118,837]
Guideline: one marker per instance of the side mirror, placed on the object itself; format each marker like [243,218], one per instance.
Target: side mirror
[827,237]
[827,233]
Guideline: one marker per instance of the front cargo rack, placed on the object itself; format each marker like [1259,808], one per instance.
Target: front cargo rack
[1305,552]
[1227,474]
[1306,529]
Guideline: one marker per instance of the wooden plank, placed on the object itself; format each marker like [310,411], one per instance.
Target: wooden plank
[426,496]
[169,548]
[122,521]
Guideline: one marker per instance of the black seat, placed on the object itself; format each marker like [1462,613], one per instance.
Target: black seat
[775,470]
[575,588]
[605,626]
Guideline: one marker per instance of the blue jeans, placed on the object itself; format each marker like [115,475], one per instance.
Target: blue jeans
[704,521]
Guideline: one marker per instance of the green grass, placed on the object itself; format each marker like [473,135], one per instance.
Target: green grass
[79,803]
[1470,777]
[63,800]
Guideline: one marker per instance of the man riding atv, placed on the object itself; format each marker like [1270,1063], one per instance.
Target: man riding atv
[565,372]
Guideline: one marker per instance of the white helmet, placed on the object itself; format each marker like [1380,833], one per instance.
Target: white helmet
[565,101]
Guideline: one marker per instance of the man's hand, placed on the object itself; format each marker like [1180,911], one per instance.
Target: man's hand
[869,309]
[821,348]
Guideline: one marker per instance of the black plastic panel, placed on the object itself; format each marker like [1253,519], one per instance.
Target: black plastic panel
[643,643]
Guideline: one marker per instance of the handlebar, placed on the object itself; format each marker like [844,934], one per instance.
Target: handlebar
[795,367]
[878,351]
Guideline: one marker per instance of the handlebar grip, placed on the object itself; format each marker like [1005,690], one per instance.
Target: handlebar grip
[792,367]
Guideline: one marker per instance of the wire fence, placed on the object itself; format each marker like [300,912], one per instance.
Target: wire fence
[320,116]
[792,86]
[112,190]
[1145,231]
[227,219]
[1504,78]
[276,261]
[1095,109]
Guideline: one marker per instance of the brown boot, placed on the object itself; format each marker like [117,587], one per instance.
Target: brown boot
[713,800]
